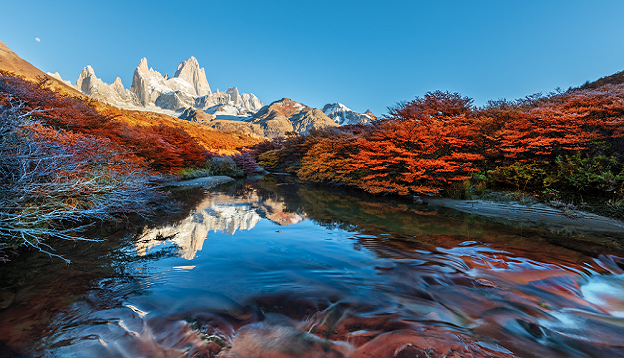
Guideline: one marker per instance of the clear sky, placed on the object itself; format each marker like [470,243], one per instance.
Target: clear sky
[364,54]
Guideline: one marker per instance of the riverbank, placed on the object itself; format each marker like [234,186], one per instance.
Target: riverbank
[208,182]
[532,215]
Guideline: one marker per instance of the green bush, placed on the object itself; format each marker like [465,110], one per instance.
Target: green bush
[224,166]
[520,176]
[599,174]
[459,190]
[271,160]
[192,173]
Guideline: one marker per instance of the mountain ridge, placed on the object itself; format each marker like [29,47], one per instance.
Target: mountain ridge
[344,115]
[286,115]
[176,96]
[150,90]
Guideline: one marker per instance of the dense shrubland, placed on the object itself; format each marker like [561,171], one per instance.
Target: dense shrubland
[66,162]
[560,146]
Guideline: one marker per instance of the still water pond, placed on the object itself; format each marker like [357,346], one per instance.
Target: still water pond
[270,268]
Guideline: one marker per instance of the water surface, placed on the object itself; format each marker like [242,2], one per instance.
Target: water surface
[271,268]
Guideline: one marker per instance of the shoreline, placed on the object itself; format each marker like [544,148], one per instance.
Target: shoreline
[511,213]
[208,181]
[535,215]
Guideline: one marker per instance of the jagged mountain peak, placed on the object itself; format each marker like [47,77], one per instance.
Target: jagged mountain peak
[370,114]
[190,62]
[113,93]
[335,106]
[188,88]
[87,80]
[143,65]
[284,107]
[286,115]
[190,71]
[88,70]
[287,102]
[344,115]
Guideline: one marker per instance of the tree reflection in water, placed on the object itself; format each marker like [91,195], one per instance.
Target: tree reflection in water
[273,268]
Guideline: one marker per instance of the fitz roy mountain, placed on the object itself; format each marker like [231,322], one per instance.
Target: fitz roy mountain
[187,89]
[187,95]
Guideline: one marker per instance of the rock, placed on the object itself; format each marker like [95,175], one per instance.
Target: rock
[145,81]
[251,102]
[231,97]
[286,115]
[409,351]
[187,88]
[190,72]
[278,337]
[113,93]
[311,119]
[196,115]
[174,100]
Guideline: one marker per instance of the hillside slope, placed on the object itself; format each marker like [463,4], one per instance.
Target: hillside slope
[11,62]
[614,79]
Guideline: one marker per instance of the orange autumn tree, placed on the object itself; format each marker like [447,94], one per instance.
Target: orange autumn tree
[545,132]
[416,156]
[436,104]
[564,123]
[329,158]
[422,147]
[166,148]
[568,142]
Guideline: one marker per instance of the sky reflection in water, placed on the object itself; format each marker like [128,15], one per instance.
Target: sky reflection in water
[271,270]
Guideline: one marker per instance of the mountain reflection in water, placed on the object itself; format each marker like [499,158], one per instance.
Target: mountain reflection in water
[217,212]
[278,269]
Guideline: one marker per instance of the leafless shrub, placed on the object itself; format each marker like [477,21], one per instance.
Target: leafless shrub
[54,183]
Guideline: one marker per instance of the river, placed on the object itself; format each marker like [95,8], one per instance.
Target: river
[275,268]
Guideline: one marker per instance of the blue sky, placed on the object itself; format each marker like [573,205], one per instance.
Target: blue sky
[364,54]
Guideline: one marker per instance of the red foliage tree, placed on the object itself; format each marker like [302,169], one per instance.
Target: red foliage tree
[434,104]
[564,123]
[416,156]
[166,148]
[329,159]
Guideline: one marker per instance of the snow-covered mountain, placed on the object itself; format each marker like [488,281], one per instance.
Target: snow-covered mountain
[343,115]
[187,95]
[188,88]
